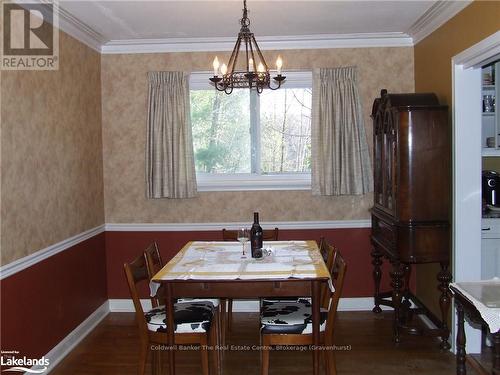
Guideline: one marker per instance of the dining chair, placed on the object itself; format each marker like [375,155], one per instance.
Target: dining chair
[327,252]
[195,323]
[290,323]
[155,263]
[232,235]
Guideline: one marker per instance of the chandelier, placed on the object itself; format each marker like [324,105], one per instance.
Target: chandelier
[253,71]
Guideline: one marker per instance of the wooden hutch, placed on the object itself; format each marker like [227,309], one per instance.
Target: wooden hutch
[412,197]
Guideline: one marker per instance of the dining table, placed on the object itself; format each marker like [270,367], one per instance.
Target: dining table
[211,269]
[480,301]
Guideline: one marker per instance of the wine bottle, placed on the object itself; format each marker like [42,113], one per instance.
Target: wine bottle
[256,237]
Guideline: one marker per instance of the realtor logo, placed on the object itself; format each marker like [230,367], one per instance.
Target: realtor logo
[30,36]
[15,363]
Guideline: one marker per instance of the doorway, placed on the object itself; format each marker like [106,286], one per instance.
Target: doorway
[467,109]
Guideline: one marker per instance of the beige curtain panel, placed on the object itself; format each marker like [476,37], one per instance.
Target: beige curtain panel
[170,171]
[340,156]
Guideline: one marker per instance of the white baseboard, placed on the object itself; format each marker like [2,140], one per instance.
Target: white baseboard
[345,304]
[73,339]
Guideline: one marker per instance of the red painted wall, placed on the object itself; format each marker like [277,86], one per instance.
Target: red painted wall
[354,243]
[43,303]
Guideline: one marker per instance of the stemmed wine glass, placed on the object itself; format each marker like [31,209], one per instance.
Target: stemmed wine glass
[243,237]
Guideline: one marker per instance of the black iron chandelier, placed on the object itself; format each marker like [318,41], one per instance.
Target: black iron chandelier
[256,75]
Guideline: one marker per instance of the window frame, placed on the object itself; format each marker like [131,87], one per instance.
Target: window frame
[254,180]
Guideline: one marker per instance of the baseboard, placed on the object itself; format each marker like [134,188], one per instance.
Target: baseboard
[62,349]
[345,304]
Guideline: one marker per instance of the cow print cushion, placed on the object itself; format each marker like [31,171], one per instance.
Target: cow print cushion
[189,317]
[215,302]
[289,317]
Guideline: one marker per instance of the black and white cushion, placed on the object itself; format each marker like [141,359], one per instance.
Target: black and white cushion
[189,317]
[289,317]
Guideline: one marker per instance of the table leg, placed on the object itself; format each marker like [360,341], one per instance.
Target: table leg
[460,339]
[377,276]
[316,291]
[496,353]
[444,278]
[169,305]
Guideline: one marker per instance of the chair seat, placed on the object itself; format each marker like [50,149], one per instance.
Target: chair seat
[214,301]
[289,317]
[189,317]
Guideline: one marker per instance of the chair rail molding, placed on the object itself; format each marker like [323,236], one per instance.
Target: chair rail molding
[282,225]
[29,260]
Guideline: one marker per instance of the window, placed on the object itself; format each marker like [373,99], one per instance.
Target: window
[247,141]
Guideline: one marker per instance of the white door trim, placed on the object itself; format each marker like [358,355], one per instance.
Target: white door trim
[466,88]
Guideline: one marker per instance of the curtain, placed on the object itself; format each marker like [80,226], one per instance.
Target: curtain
[170,171]
[340,156]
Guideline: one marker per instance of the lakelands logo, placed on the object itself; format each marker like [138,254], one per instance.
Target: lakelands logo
[23,364]
[29,35]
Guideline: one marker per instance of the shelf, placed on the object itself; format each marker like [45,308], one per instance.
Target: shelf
[488,113]
[490,151]
[488,87]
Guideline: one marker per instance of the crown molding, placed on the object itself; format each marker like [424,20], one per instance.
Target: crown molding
[71,25]
[437,15]
[265,43]
[80,30]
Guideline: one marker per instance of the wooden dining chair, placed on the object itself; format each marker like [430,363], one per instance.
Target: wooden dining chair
[327,252]
[290,323]
[195,323]
[232,235]
[155,263]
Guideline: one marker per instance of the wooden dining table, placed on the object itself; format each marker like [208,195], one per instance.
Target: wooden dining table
[218,270]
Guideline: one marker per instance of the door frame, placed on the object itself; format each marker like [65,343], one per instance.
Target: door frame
[466,88]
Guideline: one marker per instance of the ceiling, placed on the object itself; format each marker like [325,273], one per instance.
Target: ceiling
[118,22]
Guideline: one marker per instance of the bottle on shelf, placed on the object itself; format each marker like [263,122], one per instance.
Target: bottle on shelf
[256,237]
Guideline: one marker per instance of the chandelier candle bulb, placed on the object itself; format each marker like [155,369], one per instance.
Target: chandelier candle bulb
[250,65]
[261,68]
[216,66]
[279,64]
[223,69]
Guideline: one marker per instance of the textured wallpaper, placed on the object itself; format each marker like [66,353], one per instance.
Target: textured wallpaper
[124,100]
[51,152]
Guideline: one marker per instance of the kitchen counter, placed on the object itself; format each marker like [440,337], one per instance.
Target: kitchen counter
[491,214]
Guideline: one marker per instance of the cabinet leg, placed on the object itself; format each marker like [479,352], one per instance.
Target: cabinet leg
[406,294]
[377,276]
[460,340]
[396,283]
[444,278]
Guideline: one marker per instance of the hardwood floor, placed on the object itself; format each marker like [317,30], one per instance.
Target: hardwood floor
[364,342]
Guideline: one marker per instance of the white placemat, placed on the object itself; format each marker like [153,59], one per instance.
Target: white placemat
[485,296]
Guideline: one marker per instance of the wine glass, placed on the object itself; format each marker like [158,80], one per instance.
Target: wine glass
[243,237]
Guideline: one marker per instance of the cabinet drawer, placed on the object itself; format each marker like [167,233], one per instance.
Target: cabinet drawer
[490,228]
[383,231]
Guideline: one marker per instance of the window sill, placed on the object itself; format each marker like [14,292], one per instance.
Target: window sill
[248,181]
